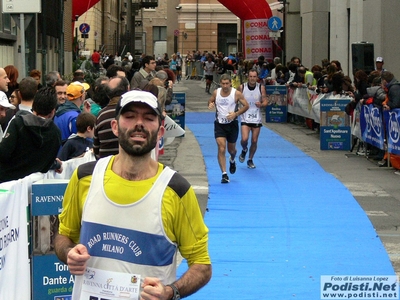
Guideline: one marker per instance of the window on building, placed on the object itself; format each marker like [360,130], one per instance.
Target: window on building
[5,23]
[160,33]
[6,28]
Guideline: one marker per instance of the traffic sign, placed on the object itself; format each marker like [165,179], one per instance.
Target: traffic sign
[176,32]
[84,28]
[21,6]
[275,23]
[274,34]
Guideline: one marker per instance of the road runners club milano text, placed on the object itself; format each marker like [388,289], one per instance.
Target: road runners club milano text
[113,236]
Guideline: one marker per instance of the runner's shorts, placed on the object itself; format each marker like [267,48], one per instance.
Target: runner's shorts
[252,125]
[230,131]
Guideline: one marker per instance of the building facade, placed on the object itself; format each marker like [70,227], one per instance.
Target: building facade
[172,26]
[314,29]
[207,25]
[319,29]
[48,38]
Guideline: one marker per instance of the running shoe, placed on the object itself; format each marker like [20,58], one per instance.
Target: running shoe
[382,163]
[232,167]
[225,178]
[242,156]
[250,164]
[361,152]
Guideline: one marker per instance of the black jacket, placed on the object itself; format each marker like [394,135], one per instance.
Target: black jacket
[393,93]
[30,145]
[75,146]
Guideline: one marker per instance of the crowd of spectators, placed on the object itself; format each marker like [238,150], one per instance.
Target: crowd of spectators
[378,87]
[158,75]
[46,120]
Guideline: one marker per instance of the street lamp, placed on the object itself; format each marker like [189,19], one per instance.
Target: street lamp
[197,25]
[176,32]
[132,7]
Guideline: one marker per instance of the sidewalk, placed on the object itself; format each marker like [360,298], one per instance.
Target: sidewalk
[184,154]
[375,189]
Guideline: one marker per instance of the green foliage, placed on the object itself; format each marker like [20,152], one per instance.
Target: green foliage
[86,66]
[91,76]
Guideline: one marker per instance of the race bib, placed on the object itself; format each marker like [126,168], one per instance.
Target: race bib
[100,284]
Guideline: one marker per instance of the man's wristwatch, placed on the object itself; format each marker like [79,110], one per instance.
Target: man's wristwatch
[176,295]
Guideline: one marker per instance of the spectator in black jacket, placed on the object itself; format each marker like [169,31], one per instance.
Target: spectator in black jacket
[110,61]
[392,87]
[32,140]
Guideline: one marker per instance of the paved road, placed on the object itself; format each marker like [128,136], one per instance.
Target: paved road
[376,189]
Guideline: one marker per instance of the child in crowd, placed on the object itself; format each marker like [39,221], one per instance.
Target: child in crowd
[78,144]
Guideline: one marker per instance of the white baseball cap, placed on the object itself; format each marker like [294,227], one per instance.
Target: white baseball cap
[379,59]
[138,96]
[4,101]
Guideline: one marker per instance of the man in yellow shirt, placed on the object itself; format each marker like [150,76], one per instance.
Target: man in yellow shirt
[128,215]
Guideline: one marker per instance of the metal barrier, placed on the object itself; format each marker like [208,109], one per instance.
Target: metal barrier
[199,69]
[216,77]
[188,69]
[194,70]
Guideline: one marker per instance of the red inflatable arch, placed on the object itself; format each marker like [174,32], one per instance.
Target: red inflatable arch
[248,9]
[79,7]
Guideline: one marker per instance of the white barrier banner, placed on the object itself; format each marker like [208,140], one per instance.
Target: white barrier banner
[172,129]
[14,259]
[355,123]
[300,104]
[306,102]
[70,165]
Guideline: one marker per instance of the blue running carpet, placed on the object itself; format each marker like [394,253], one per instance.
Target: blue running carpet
[276,229]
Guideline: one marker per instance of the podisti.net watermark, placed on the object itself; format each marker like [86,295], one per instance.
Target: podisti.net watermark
[359,287]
